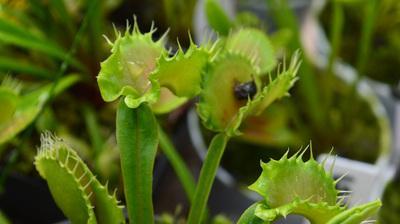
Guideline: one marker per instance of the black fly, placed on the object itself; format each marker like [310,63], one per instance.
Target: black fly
[245,90]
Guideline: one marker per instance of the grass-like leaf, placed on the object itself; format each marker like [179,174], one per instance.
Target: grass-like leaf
[8,64]
[13,34]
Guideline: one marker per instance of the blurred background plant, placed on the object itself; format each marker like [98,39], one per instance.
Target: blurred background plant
[370,36]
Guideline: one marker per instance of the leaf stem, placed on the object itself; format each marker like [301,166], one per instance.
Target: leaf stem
[207,176]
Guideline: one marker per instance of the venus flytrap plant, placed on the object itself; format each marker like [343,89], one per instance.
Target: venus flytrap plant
[293,186]
[232,90]
[149,80]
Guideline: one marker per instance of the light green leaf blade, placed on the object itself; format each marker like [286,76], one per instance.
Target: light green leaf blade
[218,107]
[249,216]
[357,214]
[292,186]
[3,218]
[106,206]
[137,139]
[28,107]
[278,87]
[167,102]
[316,213]
[255,45]
[182,72]
[75,189]
[69,184]
[127,71]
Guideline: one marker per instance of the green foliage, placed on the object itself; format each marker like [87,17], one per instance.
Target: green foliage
[218,107]
[249,216]
[74,188]
[9,97]
[278,87]
[192,62]
[231,91]
[255,45]
[370,37]
[228,78]
[21,109]
[206,179]
[3,219]
[127,71]
[221,78]
[217,18]
[312,191]
[139,68]
[15,35]
[292,186]
[357,214]
[137,138]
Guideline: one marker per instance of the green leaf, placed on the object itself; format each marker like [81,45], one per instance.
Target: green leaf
[29,106]
[75,189]
[357,214]
[217,18]
[13,34]
[13,65]
[182,72]
[249,216]
[127,71]
[278,87]
[167,102]
[9,98]
[255,45]
[137,139]
[291,185]
[3,218]
[316,213]
[219,108]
